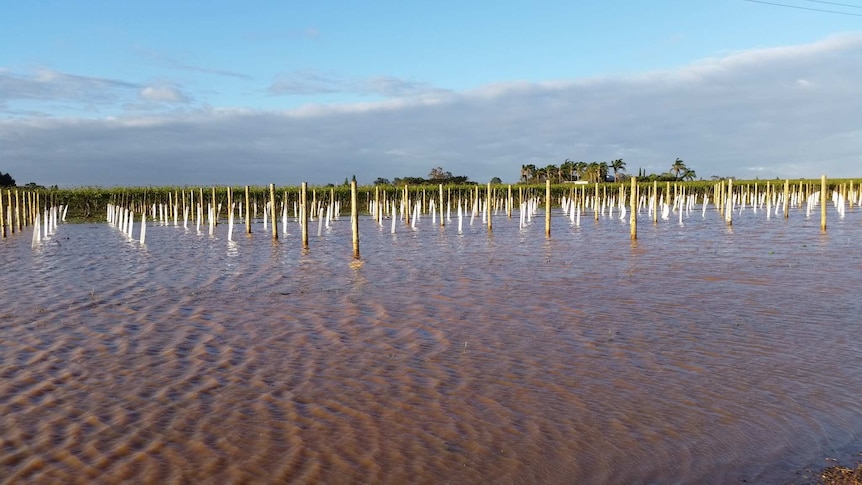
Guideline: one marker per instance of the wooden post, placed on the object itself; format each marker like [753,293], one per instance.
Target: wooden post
[303,213]
[823,203]
[634,206]
[377,214]
[548,207]
[247,212]
[728,207]
[18,211]
[768,199]
[3,215]
[520,197]
[655,202]
[509,203]
[786,198]
[442,213]
[229,204]
[215,207]
[354,218]
[488,203]
[406,205]
[596,202]
[272,211]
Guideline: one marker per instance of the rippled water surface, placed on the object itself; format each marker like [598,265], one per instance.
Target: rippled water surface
[702,353]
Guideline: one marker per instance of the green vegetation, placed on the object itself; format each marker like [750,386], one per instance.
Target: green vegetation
[89,203]
[594,172]
[435,177]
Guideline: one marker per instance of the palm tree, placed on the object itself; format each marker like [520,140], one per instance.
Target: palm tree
[603,171]
[540,174]
[551,172]
[567,169]
[528,172]
[593,173]
[677,167]
[689,174]
[581,169]
[617,166]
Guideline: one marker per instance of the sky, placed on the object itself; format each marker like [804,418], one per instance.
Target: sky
[120,93]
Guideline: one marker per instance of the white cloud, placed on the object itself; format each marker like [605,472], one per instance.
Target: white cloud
[166,94]
[48,84]
[742,115]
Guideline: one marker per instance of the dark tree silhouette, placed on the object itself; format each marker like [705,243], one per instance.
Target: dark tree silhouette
[6,180]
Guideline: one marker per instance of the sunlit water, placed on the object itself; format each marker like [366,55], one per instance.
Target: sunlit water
[702,353]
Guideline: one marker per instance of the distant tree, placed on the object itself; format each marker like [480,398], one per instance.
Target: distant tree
[6,180]
[603,171]
[689,174]
[496,180]
[617,166]
[580,169]
[459,180]
[438,173]
[552,173]
[678,167]
[592,172]
[528,173]
[409,181]
[382,181]
[567,169]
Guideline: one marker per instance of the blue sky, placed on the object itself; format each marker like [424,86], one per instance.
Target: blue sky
[156,93]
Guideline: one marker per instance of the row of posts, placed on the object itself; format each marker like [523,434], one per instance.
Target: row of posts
[633,201]
[18,213]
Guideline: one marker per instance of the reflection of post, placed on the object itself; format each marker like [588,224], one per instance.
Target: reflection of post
[634,205]
[303,210]
[654,202]
[823,203]
[548,207]
[354,218]
[786,198]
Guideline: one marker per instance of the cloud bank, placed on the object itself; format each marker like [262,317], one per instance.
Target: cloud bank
[785,112]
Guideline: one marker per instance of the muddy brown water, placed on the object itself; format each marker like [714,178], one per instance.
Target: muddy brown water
[699,354]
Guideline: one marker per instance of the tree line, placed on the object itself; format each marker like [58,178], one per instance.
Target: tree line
[571,171]
[436,176]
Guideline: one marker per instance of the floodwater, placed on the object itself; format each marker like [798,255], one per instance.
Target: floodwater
[700,354]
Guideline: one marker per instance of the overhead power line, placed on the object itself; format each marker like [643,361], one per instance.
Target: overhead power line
[835,3]
[807,8]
